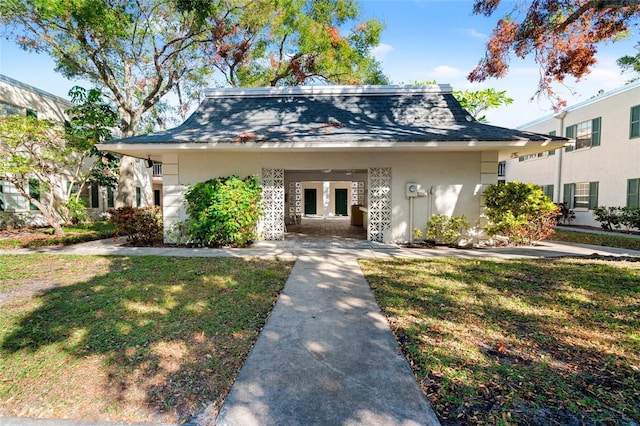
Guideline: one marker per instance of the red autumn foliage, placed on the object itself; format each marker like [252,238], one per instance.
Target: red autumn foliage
[561,35]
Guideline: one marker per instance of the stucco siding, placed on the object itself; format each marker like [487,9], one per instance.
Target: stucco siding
[452,181]
[611,164]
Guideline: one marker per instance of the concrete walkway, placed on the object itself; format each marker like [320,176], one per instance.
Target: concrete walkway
[326,355]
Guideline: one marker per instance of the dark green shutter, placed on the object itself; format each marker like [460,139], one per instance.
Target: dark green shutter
[632,192]
[552,152]
[566,195]
[593,195]
[634,128]
[595,131]
[110,197]
[34,191]
[95,197]
[569,132]
[520,159]
[548,191]
[2,206]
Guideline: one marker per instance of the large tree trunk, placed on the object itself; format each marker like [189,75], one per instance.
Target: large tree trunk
[125,196]
[51,220]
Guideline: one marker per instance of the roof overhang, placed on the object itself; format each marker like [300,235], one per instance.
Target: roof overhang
[506,149]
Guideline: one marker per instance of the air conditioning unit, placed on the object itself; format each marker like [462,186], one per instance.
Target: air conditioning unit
[412,189]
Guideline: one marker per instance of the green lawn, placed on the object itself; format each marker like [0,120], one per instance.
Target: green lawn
[552,341]
[608,240]
[128,339]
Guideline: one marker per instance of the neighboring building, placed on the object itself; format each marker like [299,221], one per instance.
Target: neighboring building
[15,210]
[320,150]
[600,167]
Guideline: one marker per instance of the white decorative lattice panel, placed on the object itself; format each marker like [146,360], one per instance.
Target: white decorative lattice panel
[273,199]
[357,193]
[354,193]
[295,202]
[379,203]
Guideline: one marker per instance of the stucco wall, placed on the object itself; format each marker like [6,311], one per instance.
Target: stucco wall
[455,178]
[611,164]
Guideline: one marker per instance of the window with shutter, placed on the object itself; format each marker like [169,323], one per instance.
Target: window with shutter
[569,133]
[633,193]
[634,127]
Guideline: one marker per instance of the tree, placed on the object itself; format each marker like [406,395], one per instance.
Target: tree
[297,41]
[139,51]
[631,63]
[33,155]
[561,35]
[90,122]
[477,102]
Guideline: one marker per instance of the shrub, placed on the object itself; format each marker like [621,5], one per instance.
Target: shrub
[446,229]
[520,211]
[566,215]
[142,226]
[76,210]
[611,218]
[224,211]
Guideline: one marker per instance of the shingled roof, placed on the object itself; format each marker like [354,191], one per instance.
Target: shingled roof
[332,115]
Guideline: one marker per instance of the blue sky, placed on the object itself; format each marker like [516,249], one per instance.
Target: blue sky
[423,40]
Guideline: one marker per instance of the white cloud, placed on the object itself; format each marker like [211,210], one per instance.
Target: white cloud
[473,33]
[381,51]
[445,72]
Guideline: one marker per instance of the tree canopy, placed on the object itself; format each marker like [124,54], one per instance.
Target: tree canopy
[561,35]
[631,63]
[138,52]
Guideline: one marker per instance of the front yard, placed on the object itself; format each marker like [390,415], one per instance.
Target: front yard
[130,339]
[552,341]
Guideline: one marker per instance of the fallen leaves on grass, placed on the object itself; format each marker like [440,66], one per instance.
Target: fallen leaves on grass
[518,342]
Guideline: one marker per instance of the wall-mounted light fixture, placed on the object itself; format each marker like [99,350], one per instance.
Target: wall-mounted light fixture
[149,162]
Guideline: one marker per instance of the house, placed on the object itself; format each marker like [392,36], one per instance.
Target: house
[600,167]
[15,210]
[403,153]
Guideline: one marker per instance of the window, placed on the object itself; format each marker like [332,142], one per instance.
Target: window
[95,196]
[633,193]
[634,127]
[156,197]
[138,196]
[502,169]
[8,109]
[548,191]
[110,197]
[34,191]
[2,206]
[583,195]
[31,113]
[586,134]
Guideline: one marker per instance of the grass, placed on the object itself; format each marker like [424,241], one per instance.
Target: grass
[152,339]
[44,237]
[597,239]
[553,341]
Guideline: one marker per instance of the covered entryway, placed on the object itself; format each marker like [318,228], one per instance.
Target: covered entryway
[319,206]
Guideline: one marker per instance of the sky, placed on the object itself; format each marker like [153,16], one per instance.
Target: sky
[423,40]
